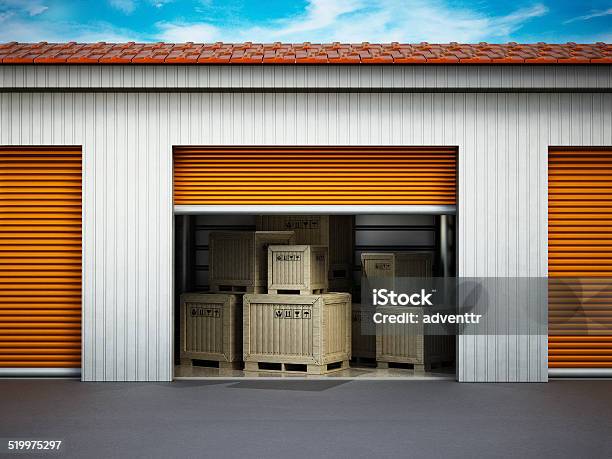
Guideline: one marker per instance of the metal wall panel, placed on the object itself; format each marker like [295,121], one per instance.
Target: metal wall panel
[245,77]
[127,141]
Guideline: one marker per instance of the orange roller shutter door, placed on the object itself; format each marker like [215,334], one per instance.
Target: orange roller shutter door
[580,246]
[315,176]
[40,257]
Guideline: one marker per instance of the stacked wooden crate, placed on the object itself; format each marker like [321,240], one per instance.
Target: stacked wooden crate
[333,231]
[239,259]
[297,327]
[211,323]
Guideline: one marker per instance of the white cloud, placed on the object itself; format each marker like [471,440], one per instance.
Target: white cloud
[125,6]
[160,3]
[367,20]
[591,15]
[180,32]
[30,7]
[54,32]
[321,21]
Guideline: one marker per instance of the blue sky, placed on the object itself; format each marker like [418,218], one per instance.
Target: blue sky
[309,20]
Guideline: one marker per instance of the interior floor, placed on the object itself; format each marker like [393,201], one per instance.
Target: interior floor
[354,372]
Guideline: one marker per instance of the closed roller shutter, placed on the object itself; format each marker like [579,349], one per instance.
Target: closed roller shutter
[580,246]
[40,258]
[315,176]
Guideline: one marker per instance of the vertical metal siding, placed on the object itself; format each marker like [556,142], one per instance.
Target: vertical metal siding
[127,141]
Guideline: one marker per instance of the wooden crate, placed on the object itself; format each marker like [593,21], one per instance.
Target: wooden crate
[239,259]
[363,346]
[211,328]
[298,269]
[379,266]
[309,333]
[402,344]
[335,231]
[414,264]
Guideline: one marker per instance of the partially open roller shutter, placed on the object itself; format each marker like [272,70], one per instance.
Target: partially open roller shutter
[315,176]
[580,250]
[40,258]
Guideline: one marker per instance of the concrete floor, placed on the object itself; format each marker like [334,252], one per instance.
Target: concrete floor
[321,418]
[354,372]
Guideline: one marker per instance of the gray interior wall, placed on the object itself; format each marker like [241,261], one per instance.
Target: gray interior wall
[373,233]
[127,140]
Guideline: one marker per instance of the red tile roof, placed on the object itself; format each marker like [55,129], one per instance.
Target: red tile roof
[303,53]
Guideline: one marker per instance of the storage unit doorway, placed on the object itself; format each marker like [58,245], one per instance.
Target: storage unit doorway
[580,261]
[40,261]
[367,199]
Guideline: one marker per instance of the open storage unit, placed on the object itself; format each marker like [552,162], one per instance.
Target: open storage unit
[329,203]
[291,331]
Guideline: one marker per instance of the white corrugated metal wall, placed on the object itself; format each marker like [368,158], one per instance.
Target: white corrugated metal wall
[127,141]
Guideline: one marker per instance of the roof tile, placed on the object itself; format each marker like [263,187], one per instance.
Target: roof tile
[303,53]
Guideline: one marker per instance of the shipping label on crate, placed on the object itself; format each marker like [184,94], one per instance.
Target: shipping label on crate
[292,313]
[205,311]
[304,223]
[383,266]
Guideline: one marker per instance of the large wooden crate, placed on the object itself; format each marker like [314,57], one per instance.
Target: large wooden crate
[401,344]
[211,328]
[309,333]
[335,231]
[239,259]
[414,264]
[363,346]
[298,269]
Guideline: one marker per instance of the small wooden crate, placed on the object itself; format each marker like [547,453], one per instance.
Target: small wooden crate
[211,329]
[301,333]
[335,231]
[363,346]
[298,269]
[379,266]
[239,259]
[402,344]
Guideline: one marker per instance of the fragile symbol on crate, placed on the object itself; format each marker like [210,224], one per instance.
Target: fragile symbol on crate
[206,312]
[289,257]
[286,313]
[302,224]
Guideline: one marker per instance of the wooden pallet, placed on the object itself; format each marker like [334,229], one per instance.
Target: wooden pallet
[288,368]
[417,367]
[221,365]
[312,291]
[236,288]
